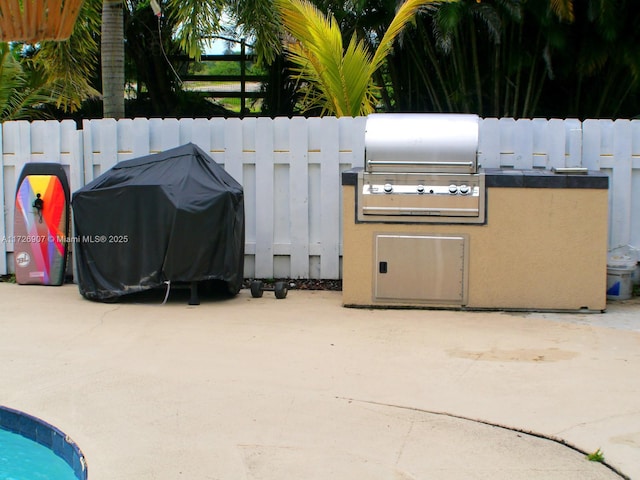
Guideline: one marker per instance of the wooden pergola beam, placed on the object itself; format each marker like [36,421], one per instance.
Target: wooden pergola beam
[33,21]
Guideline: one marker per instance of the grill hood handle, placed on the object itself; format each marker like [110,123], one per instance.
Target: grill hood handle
[418,162]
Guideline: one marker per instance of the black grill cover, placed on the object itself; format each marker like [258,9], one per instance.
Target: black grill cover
[175,215]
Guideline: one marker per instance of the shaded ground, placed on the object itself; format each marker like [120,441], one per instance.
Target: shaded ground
[302,284]
[292,284]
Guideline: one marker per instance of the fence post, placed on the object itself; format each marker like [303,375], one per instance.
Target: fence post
[243,78]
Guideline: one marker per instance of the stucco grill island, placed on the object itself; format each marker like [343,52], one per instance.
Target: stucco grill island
[425,226]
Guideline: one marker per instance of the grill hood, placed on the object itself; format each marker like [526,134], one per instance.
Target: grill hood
[408,142]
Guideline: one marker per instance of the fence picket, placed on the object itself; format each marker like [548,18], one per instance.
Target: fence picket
[230,150]
[140,133]
[164,134]
[73,138]
[329,185]
[540,127]
[523,144]
[299,196]
[591,144]
[507,142]
[126,140]
[196,131]
[87,150]
[264,169]
[620,232]
[574,142]
[222,140]
[489,143]
[556,144]
[108,145]
[17,136]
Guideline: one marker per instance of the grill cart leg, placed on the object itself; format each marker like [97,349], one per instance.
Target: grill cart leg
[194,300]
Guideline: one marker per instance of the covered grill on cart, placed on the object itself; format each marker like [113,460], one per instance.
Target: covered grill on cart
[176,216]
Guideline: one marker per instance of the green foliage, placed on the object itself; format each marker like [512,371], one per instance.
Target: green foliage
[334,79]
[258,19]
[225,68]
[24,87]
[563,9]
[539,58]
[596,456]
[508,58]
[62,71]
[192,21]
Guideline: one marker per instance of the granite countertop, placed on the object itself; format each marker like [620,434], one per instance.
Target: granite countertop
[538,178]
[512,178]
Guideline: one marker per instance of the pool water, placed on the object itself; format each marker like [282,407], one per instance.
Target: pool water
[24,459]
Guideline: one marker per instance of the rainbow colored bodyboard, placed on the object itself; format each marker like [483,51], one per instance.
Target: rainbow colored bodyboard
[41,225]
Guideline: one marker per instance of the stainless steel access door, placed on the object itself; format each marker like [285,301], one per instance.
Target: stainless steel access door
[421,268]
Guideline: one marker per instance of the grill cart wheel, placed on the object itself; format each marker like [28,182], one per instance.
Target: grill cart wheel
[258,288]
[281,290]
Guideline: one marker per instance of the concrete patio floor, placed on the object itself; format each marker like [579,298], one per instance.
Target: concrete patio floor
[303,388]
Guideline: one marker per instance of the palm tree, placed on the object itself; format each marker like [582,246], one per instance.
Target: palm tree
[604,78]
[112,55]
[457,28]
[512,58]
[336,80]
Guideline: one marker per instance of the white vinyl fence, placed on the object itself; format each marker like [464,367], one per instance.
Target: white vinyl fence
[290,170]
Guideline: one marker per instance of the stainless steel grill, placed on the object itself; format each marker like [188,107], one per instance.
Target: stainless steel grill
[421,168]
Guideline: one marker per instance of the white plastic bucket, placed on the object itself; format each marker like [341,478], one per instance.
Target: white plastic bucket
[619,284]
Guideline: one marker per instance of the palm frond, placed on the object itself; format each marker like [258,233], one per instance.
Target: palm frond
[339,81]
[447,20]
[563,9]
[195,20]
[513,8]
[490,18]
[21,91]
[404,15]
[318,55]
[10,76]
[258,19]
[358,71]
[70,64]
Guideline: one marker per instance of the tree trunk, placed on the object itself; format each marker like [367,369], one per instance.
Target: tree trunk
[112,55]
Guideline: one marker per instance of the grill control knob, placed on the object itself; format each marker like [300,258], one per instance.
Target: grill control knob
[388,188]
[464,189]
[420,188]
[453,189]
